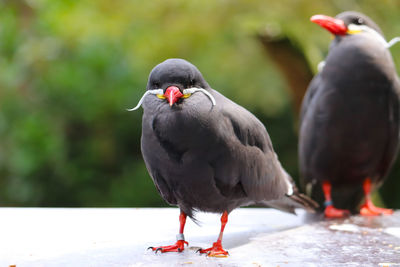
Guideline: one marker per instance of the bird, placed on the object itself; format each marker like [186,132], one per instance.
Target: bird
[207,153]
[349,119]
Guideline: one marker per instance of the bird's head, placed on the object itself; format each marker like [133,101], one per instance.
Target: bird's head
[174,80]
[347,23]
[175,77]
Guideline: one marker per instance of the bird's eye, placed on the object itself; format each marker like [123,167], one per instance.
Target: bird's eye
[156,85]
[359,21]
[192,82]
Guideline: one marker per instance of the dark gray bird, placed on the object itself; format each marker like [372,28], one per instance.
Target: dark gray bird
[206,153]
[349,130]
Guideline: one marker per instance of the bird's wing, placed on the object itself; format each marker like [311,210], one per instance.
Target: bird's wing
[392,145]
[261,175]
[253,164]
[256,165]
[309,95]
[312,89]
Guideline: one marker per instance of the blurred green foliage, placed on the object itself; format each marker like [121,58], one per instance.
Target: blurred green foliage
[69,69]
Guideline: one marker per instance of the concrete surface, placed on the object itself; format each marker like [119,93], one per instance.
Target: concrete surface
[253,237]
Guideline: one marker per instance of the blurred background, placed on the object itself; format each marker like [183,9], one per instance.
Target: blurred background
[70,69]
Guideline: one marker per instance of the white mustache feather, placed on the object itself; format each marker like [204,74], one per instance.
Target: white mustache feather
[185,92]
[152,92]
[375,34]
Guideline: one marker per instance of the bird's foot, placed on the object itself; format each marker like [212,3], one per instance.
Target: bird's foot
[179,246]
[332,212]
[369,209]
[215,251]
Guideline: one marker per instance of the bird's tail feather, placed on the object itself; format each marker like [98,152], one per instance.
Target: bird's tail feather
[304,201]
[293,199]
[290,202]
[190,212]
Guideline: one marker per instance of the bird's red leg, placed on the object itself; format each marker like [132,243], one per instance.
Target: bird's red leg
[180,243]
[216,250]
[330,210]
[368,208]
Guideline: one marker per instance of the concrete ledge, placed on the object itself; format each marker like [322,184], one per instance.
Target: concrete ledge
[253,237]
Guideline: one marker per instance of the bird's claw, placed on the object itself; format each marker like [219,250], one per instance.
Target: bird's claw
[215,251]
[333,213]
[369,209]
[179,246]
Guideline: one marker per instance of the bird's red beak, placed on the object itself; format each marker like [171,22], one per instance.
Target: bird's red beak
[172,94]
[335,26]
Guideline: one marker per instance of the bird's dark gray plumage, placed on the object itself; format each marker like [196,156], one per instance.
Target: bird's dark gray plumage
[349,127]
[205,157]
[209,158]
